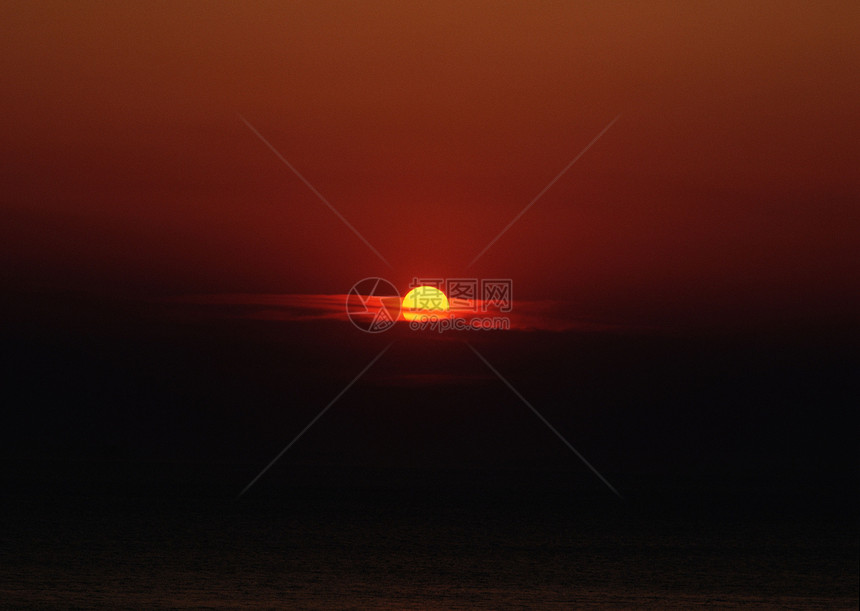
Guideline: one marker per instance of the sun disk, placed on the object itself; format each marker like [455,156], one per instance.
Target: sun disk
[424,301]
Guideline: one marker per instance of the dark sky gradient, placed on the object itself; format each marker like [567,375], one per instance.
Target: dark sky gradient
[727,191]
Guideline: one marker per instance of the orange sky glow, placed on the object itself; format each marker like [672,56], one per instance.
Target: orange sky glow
[728,186]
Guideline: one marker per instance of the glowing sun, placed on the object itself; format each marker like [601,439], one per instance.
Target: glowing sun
[424,301]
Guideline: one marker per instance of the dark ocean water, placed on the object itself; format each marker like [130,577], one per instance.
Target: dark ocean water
[430,484]
[521,542]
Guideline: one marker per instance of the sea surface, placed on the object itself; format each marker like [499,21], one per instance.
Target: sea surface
[414,541]
[126,441]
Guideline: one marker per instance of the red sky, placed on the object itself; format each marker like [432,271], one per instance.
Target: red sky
[729,185]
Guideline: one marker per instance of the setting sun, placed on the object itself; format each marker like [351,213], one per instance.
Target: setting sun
[424,301]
